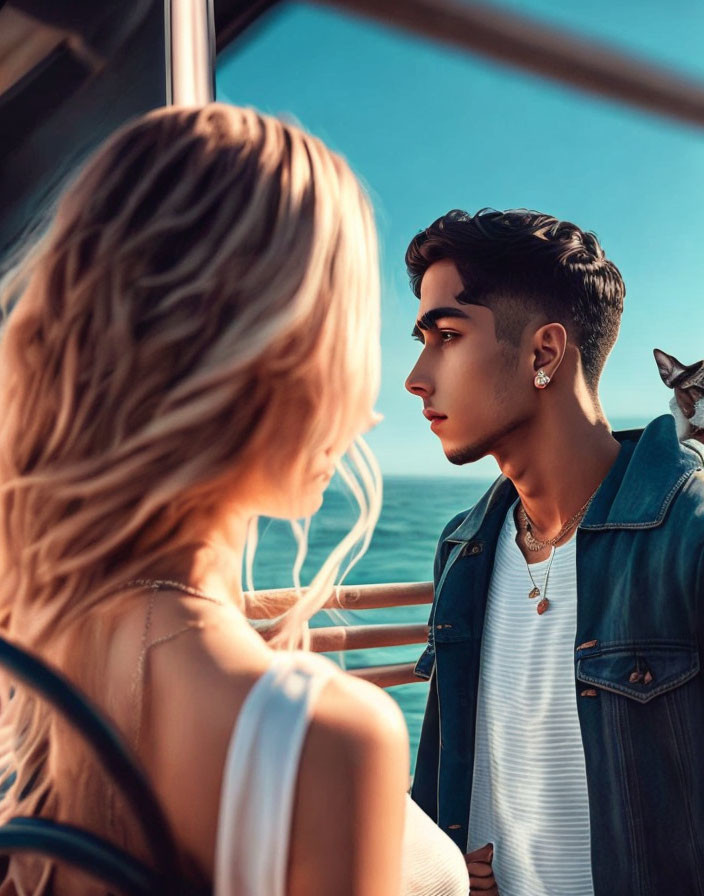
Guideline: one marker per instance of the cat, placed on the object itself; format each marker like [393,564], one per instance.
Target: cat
[687,404]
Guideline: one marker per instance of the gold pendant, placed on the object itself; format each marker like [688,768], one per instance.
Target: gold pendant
[534,593]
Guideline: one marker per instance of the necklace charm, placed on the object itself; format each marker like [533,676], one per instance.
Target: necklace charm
[536,591]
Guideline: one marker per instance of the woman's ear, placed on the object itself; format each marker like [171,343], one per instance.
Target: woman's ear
[549,344]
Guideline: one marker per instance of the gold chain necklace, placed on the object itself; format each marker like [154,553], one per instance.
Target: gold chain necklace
[169,585]
[535,544]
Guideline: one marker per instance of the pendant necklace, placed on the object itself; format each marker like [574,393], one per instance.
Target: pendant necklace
[543,603]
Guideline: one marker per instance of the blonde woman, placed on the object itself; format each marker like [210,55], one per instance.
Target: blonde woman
[195,343]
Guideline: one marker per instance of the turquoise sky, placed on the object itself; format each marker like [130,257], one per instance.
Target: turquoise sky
[428,128]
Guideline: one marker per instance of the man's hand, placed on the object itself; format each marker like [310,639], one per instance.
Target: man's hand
[481,875]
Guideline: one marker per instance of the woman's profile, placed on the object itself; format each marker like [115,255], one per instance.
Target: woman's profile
[193,344]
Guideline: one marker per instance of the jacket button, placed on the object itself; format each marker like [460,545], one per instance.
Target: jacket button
[589,692]
[635,676]
[471,549]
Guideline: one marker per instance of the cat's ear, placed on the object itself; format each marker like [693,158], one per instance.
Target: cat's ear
[695,376]
[668,366]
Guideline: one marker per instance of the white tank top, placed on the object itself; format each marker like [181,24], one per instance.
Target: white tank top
[259,783]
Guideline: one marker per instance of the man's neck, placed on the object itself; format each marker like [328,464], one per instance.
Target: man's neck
[557,463]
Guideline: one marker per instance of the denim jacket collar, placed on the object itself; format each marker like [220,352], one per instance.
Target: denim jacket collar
[648,472]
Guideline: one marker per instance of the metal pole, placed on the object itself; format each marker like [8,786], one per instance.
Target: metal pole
[547,51]
[192,48]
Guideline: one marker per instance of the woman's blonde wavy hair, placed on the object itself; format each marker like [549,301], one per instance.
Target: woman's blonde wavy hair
[206,296]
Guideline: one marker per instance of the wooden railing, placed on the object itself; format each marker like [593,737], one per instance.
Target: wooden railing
[329,639]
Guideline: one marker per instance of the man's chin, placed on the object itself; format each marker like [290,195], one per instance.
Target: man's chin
[466,455]
[490,444]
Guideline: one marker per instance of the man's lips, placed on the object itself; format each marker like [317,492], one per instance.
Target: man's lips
[435,418]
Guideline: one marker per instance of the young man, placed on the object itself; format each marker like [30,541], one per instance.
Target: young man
[565,718]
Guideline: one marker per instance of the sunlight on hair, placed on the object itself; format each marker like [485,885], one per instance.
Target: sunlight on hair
[250,548]
[300,533]
[361,474]
[366,467]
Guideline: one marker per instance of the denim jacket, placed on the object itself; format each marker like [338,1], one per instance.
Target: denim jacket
[640,602]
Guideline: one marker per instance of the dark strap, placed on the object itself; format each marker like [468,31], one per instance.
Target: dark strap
[91,854]
[109,750]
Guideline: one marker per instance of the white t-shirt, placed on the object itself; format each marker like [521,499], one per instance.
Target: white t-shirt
[529,795]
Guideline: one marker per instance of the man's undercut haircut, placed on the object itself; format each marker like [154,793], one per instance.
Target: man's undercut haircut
[522,265]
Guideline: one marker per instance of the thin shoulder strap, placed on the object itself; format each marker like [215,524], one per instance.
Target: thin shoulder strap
[260,774]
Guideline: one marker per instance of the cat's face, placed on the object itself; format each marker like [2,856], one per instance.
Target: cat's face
[687,405]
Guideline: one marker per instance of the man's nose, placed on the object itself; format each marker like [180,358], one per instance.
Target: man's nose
[417,383]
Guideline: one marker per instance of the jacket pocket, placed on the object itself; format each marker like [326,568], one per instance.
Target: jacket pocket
[641,670]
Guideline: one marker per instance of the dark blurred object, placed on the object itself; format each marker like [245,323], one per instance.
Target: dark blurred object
[76,847]
[235,17]
[560,55]
[72,71]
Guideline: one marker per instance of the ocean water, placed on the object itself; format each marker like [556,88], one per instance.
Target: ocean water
[414,512]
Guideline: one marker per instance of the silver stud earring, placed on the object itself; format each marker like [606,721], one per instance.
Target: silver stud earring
[541,379]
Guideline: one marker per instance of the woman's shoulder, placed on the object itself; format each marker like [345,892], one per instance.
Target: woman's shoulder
[209,675]
[196,688]
[358,712]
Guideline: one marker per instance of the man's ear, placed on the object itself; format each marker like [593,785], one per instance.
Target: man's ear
[549,345]
[669,367]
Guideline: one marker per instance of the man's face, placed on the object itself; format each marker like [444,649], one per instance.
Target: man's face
[468,381]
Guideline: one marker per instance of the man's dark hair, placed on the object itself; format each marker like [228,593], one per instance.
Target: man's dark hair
[521,264]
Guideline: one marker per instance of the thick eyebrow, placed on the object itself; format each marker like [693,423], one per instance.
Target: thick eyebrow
[429,321]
